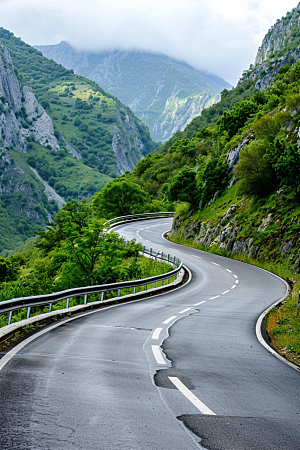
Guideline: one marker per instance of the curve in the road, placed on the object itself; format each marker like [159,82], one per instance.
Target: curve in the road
[180,371]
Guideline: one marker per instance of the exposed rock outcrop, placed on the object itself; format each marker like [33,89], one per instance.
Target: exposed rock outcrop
[41,124]
[279,38]
[49,191]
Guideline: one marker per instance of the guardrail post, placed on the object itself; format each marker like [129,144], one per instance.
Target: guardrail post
[9,317]
[102,296]
[85,299]
[50,307]
[162,282]
[67,303]
[154,284]
[299,303]
[145,287]
[134,289]
[151,251]
[28,312]
[143,249]
[168,257]
[119,292]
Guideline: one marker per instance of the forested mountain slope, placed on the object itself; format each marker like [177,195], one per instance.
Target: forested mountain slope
[61,136]
[163,92]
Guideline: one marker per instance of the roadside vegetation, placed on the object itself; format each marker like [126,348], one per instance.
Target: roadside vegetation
[74,251]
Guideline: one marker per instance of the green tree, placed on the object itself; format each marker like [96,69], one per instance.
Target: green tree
[214,179]
[285,159]
[120,198]
[254,170]
[231,121]
[183,186]
[93,256]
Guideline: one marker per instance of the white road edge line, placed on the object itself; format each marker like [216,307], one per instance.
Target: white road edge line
[169,320]
[184,310]
[228,270]
[156,333]
[199,257]
[215,264]
[157,354]
[191,397]
[197,304]
[212,298]
[234,286]
[226,292]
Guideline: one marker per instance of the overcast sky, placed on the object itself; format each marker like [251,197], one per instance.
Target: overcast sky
[221,36]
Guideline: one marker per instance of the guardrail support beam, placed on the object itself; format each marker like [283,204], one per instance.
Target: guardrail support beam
[9,317]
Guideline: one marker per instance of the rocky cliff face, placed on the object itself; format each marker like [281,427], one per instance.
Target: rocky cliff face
[278,36]
[265,239]
[21,114]
[279,47]
[165,93]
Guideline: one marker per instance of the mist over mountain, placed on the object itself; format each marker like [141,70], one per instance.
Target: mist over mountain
[166,93]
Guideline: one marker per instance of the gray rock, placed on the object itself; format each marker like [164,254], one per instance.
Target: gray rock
[286,248]
[69,147]
[42,126]
[233,155]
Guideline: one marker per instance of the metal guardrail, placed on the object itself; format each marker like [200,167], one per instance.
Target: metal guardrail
[49,299]
[133,217]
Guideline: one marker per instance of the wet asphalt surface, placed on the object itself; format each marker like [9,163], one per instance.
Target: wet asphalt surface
[95,383]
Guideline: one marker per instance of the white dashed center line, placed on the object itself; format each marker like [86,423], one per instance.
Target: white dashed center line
[215,264]
[212,298]
[226,292]
[156,333]
[228,270]
[234,286]
[235,276]
[157,355]
[169,320]
[191,397]
[199,257]
[237,281]
[197,304]
[184,310]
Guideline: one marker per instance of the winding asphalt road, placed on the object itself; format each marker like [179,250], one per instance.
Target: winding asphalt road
[179,371]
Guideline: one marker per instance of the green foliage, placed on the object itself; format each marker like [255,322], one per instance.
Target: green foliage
[254,170]
[74,251]
[285,159]
[183,186]
[214,179]
[231,121]
[120,198]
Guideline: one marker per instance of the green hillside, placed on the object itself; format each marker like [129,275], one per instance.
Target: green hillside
[81,110]
[61,137]
[164,92]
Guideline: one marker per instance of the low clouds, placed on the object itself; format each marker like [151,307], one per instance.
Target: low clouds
[221,37]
